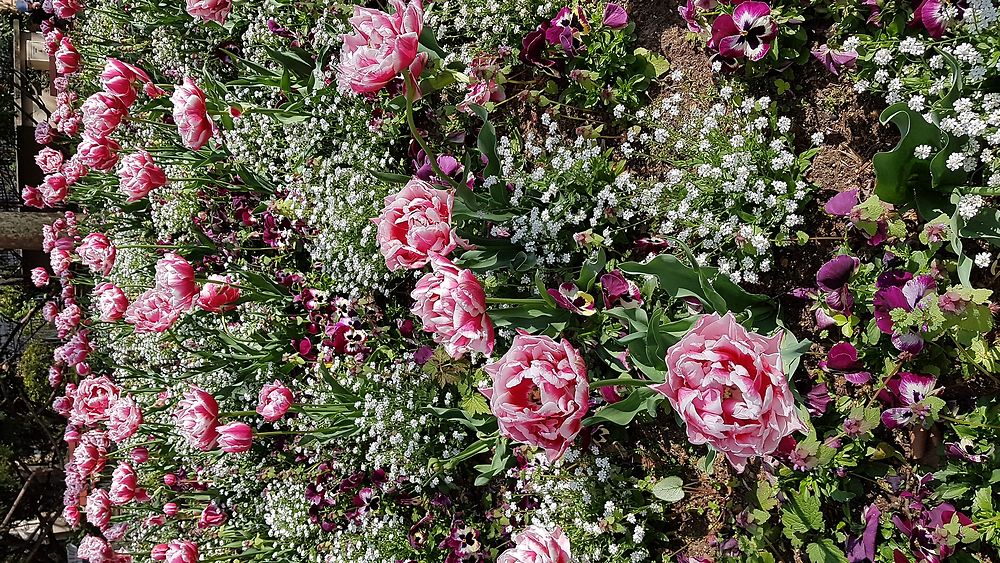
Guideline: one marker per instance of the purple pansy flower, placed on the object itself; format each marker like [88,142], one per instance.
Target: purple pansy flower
[863,548]
[909,391]
[935,16]
[843,356]
[930,541]
[748,32]
[900,290]
[569,297]
[564,29]
[834,60]
[689,12]
[843,203]
[818,399]
[833,278]
[615,16]
[617,290]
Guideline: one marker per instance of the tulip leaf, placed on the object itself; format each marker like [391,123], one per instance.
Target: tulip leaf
[623,412]
[895,170]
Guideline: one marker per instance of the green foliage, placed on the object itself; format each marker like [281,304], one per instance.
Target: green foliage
[32,369]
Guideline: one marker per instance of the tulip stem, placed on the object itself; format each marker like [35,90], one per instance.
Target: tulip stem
[409,95]
[514,301]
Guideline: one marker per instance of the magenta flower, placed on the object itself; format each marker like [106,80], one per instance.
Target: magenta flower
[615,16]
[900,290]
[934,15]
[571,298]
[748,32]
[689,12]
[863,548]
[619,291]
[381,46]
[834,60]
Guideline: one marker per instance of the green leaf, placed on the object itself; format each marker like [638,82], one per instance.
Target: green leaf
[669,489]
[475,403]
[895,169]
[801,513]
[825,551]
[623,412]
[487,143]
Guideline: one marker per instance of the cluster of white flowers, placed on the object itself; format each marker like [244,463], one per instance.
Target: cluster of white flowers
[732,187]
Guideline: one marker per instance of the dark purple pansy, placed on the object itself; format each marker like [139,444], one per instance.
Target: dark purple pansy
[615,16]
[909,296]
[843,356]
[748,32]
[964,450]
[835,274]
[818,399]
[533,47]
[619,291]
[863,548]
[934,16]
[564,29]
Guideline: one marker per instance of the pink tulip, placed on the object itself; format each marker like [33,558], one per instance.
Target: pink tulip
[171,509]
[540,393]
[67,58]
[49,160]
[181,551]
[97,252]
[91,454]
[99,154]
[729,387]
[415,223]
[159,552]
[102,114]
[123,484]
[94,397]
[119,78]
[39,276]
[451,305]
[381,47]
[110,302]
[210,10]
[274,401]
[65,9]
[32,197]
[175,276]
[235,437]
[99,508]
[93,548]
[152,312]
[211,516]
[191,115]
[198,419]
[54,189]
[139,455]
[72,516]
[139,175]
[124,418]
[217,295]
[535,544]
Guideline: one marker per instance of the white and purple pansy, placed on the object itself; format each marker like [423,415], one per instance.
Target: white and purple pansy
[935,16]
[910,392]
[748,32]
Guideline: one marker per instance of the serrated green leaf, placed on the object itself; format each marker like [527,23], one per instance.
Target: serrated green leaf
[825,551]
